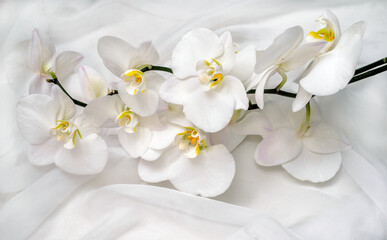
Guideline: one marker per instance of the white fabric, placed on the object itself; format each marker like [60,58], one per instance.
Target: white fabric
[262,203]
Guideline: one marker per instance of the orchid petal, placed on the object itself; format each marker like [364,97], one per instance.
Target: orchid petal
[244,64]
[146,54]
[164,138]
[228,57]
[281,47]
[42,52]
[302,55]
[66,62]
[152,154]
[335,69]
[209,174]
[234,88]
[36,115]
[198,44]
[117,55]
[88,157]
[175,91]
[314,167]
[104,110]
[302,98]
[325,139]
[144,103]
[328,14]
[44,154]
[262,79]
[159,170]
[135,143]
[19,73]
[210,111]
[281,146]
[227,138]
[92,82]
[254,123]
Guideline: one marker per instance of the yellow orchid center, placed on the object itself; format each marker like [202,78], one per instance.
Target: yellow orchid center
[191,142]
[66,132]
[135,81]
[128,120]
[327,33]
[210,73]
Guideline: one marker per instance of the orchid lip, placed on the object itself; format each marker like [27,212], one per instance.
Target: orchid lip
[191,141]
[135,81]
[210,73]
[66,132]
[128,120]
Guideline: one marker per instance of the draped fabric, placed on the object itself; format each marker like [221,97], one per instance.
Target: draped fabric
[262,203]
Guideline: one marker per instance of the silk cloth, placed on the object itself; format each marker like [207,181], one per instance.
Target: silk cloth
[262,203]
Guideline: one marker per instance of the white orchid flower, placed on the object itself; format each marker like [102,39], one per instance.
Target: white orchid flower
[92,83]
[208,77]
[30,63]
[183,155]
[242,124]
[139,90]
[282,56]
[48,124]
[308,149]
[135,132]
[332,70]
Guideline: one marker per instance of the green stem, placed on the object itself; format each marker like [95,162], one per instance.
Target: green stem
[55,80]
[284,79]
[156,68]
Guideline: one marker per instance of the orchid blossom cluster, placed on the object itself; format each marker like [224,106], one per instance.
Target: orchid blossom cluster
[184,123]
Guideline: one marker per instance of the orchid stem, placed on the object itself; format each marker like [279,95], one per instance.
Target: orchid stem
[156,68]
[371,66]
[55,80]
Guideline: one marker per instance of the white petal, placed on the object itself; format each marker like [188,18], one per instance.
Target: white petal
[42,51]
[104,110]
[227,138]
[44,154]
[254,123]
[262,79]
[314,167]
[301,56]
[198,44]
[325,139]
[66,62]
[36,115]
[157,171]
[117,55]
[177,116]
[152,154]
[67,108]
[164,138]
[175,91]
[152,122]
[328,14]
[144,103]
[19,72]
[228,58]
[280,146]
[281,47]
[147,54]
[336,68]
[210,111]
[302,98]
[233,87]
[209,174]
[244,64]
[92,83]
[88,157]
[135,143]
